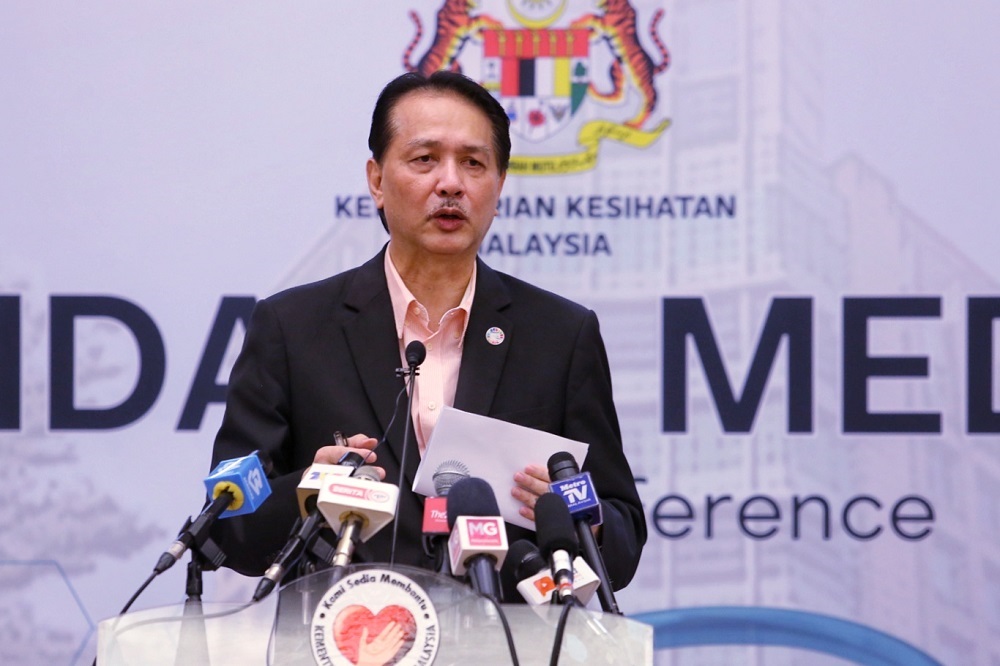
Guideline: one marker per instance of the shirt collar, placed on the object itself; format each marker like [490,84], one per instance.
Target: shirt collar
[402,298]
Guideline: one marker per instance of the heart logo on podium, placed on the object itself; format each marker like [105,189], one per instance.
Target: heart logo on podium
[388,636]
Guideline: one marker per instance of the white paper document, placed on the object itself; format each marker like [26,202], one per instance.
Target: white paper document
[493,450]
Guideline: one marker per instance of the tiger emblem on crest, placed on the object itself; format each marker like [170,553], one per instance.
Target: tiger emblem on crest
[540,69]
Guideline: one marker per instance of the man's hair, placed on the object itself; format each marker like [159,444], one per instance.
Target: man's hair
[382,130]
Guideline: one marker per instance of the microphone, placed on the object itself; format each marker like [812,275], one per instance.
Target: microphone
[557,542]
[533,576]
[414,354]
[526,571]
[312,480]
[578,492]
[435,526]
[478,542]
[523,561]
[576,488]
[447,475]
[310,522]
[361,505]
[236,487]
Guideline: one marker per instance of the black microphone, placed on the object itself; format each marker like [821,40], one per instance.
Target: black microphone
[557,542]
[523,561]
[309,524]
[415,354]
[578,492]
[528,574]
[478,542]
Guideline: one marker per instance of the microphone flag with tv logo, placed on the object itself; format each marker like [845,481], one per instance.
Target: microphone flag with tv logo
[580,497]
[435,516]
[244,478]
[473,536]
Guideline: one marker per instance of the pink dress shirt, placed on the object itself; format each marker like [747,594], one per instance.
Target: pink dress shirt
[438,378]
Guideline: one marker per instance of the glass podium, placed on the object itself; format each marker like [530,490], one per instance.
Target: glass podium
[369,614]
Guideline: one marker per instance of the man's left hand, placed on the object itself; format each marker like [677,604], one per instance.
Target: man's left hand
[529,484]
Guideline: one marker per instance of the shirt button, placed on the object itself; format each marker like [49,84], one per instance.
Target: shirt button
[430,347]
[432,406]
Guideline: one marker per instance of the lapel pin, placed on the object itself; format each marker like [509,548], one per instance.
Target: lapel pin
[494,336]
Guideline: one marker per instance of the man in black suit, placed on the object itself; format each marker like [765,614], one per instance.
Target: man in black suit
[321,358]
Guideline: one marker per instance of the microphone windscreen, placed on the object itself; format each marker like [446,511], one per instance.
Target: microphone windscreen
[448,474]
[562,465]
[554,526]
[522,561]
[527,561]
[518,551]
[415,353]
[471,496]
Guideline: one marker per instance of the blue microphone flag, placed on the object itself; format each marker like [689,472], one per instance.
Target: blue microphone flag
[580,496]
[245,479]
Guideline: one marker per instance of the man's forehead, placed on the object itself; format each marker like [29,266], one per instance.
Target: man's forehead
[409,101]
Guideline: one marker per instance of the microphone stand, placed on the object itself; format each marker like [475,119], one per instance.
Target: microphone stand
[409,374]
[318,555]
[192,644]
[592,554]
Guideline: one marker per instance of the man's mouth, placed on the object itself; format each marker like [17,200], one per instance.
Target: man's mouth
[449,214]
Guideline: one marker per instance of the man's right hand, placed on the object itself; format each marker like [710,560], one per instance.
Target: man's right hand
[360,443]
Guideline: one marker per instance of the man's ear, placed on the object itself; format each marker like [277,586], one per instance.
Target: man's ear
[503,179]
[374,174]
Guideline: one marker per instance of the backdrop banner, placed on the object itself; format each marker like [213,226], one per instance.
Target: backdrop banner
[779,210]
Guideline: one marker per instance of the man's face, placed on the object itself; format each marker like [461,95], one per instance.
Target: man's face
[439,182]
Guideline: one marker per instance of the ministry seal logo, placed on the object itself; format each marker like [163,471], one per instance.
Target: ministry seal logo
[541,69]
[375,617]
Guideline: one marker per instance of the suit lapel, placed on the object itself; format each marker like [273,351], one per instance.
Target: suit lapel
[371,336]
[482,362]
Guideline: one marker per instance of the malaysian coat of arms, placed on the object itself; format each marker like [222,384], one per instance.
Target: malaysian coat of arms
[540,65]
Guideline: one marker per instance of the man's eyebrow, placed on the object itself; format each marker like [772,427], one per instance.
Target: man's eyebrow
[434,143]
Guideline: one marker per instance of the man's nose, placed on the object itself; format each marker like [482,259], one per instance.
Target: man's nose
[450,179]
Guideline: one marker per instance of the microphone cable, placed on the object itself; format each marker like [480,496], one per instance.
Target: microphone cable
[135,596]
[161,620]
[560,632]
[415,354]
[180,618]
[506,629]
[339,437]
[340,440]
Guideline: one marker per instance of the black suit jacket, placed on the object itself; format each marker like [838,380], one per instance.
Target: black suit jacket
[322,357]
